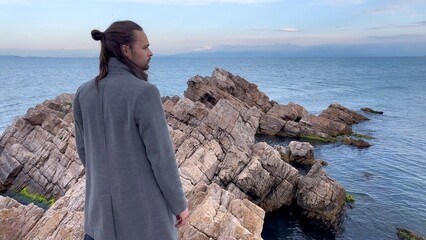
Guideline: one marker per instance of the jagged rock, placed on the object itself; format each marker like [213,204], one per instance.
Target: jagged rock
[283,176]
[301,152]
[355,142]
[282,120]
[224,85]
[39,150]
[221,149]
[293,120]
[9,168]
[16,219]
[341,114]
[225,174]
[64,220]
[219,214]
[273,122]
[312,125]
[321,198]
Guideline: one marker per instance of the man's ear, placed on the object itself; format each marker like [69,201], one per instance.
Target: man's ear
[125,50]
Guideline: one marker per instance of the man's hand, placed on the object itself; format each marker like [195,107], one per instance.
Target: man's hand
[182,218]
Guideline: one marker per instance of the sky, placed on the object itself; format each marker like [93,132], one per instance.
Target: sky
[62,27]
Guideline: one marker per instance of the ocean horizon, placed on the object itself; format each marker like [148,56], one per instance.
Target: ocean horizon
[387,180]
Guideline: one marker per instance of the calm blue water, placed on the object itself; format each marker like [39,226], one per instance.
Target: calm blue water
[388,180]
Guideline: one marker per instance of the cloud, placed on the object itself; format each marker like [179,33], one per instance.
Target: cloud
[204,48]
[396,6]
[421,23]
[400,38]
[393,8]
[288,30]
[411,25]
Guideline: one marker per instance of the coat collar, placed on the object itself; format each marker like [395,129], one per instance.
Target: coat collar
[116,66]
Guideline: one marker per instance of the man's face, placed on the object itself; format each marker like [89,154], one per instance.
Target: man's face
[139,53]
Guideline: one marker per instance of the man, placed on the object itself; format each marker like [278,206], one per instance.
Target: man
[133,189]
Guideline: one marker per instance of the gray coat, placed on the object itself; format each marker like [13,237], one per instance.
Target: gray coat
[133,189]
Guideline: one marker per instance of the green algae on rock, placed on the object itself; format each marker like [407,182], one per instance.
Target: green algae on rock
[405,234]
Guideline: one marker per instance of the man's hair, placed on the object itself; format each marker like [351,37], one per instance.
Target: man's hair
[118,34]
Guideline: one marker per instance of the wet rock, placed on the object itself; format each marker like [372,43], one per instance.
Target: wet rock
[321,198]
[367,175]
[369,110]
[405,234]
[359,143]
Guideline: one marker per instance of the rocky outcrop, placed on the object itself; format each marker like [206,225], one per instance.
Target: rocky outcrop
[224,85]
[405,234]
[14,216]
[320,197]
[39,150]
[293,120]
[229,179]
[369,110]
[355,142]
[219,214]
[338,113]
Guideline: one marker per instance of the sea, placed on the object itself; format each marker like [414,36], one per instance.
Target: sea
[387,180]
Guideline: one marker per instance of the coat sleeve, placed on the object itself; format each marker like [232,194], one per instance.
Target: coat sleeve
[78,127]
[153,129]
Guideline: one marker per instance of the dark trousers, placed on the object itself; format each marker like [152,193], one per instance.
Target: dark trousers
[87,237]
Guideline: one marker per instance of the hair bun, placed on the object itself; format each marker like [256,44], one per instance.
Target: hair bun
[97,35]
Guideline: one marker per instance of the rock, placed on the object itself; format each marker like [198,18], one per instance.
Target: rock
[64,220]
[321,198]
[405,234]
[301,152]
[359,143]
[284,153]
[290,120]
[39,150]
[273,122]
[367,175]
[369,110]
[219,214]
[312,125]
[16,219]
[9,168]
[229,179]
[337,112]
[267,179]
[293,120]
[224,85]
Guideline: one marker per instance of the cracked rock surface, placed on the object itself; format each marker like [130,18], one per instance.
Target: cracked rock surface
[230,180]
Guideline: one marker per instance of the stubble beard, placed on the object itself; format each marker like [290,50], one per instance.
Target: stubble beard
[146,67]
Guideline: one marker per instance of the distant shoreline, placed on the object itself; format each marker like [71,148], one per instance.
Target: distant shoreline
[178,56]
